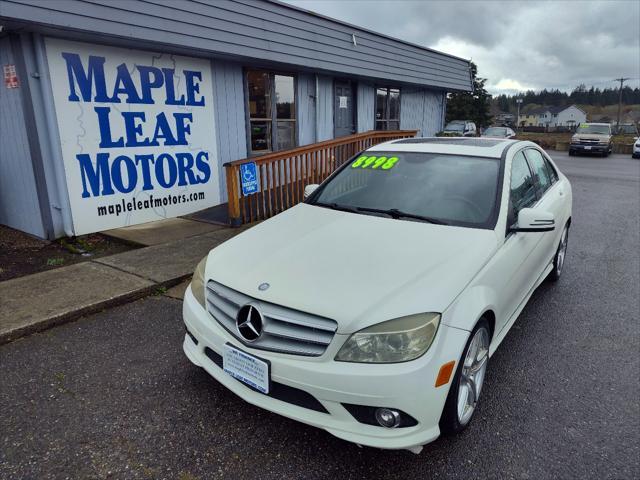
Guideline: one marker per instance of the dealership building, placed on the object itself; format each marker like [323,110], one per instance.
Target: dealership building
[119,112]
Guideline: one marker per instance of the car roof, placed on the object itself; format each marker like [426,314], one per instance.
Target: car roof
[474,146]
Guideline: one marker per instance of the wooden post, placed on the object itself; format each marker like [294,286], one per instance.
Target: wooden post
[233,205]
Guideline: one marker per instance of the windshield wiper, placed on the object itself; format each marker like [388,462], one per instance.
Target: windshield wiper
[392,212]
[395,213]
[337,206]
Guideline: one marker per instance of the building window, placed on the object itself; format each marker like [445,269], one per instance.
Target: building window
[271,107]
[387,108]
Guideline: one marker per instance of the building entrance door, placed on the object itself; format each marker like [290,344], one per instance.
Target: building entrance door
[344,120]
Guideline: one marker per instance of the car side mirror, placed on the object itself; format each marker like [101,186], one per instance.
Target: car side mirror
[534,220]
[309,189]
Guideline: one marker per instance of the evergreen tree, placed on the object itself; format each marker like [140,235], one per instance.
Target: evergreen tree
[581,95]
[472,106]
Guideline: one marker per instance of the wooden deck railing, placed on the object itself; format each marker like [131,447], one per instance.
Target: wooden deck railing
[283,175]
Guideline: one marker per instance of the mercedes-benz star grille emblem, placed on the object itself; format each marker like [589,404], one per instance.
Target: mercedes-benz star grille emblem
[249,323]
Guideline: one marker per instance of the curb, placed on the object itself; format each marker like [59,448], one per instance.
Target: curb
[61,319]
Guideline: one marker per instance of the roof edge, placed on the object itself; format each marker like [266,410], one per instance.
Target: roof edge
[362,29]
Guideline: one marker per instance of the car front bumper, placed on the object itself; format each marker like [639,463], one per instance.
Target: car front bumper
[589,148]
[408,386]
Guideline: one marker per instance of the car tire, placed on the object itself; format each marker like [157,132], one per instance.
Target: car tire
[560,256]
[468,381]
[571,153]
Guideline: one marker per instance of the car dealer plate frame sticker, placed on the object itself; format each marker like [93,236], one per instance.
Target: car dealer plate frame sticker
[248,369]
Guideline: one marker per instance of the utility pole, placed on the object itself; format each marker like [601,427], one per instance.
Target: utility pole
[518,102]
[621,80]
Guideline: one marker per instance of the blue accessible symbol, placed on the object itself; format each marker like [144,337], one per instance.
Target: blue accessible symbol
[249,178]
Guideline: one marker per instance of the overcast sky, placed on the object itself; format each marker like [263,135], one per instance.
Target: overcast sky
[516,45]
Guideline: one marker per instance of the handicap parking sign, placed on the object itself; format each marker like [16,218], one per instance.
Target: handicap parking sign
[249,178]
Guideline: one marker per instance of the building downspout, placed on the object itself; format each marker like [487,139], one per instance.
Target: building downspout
[443,114]
[317,110]
[53,136]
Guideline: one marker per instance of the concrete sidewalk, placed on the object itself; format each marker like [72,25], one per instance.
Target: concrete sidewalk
[36,302]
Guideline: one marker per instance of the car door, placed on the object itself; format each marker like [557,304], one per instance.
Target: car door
[516,262]
[550,194]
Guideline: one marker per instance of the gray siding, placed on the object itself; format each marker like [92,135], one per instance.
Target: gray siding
[19,206]
[325,108]
[421,110]
[306,111]
[229,111]
[271,32]
[366,105]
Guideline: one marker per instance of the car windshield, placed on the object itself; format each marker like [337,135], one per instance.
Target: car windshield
[454,127]
[496,131]
[432,187]
[627,129]
[595,129]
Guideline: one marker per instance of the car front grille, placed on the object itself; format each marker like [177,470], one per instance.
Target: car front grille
[589,142]
[284,330]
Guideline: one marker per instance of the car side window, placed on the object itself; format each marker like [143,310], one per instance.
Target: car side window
[552,171]
[541,176]
[523,192]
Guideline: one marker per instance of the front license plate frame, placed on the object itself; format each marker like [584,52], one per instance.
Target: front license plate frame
[252,371]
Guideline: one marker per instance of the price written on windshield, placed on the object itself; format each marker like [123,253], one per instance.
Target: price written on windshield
[381,163]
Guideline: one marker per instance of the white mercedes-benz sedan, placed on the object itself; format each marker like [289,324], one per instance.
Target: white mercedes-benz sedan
[371,310]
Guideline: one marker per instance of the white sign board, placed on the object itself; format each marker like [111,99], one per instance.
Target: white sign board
[136,131]
[342,102]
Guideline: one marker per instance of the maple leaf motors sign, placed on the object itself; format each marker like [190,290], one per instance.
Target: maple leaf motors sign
[136,131]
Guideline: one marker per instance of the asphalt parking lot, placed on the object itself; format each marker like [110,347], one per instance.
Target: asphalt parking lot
[112,395]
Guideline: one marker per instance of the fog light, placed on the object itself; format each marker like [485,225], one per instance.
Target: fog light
[387,418]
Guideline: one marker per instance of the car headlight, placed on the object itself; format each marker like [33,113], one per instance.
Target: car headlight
[398,340]
[197,282]
[575,140]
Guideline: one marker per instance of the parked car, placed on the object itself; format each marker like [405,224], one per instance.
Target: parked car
[635,153]
[498,132]
[592,138]
[461,128]
[627,129]
[372,309]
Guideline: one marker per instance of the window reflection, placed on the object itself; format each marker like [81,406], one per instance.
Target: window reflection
[387,108]
[259,94]
[271,100]
[285,98]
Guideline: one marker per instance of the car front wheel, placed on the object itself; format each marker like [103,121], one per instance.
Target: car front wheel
[467,384]
[561,253]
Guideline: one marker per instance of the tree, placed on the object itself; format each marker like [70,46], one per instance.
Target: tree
[472,106]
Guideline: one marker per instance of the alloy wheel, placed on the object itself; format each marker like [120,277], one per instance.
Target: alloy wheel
[562,251]
[472,375]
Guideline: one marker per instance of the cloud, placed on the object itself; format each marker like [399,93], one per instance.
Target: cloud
[516,45]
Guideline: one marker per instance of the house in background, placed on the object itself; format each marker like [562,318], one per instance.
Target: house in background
[552,117]
[567,116]
[530,117]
